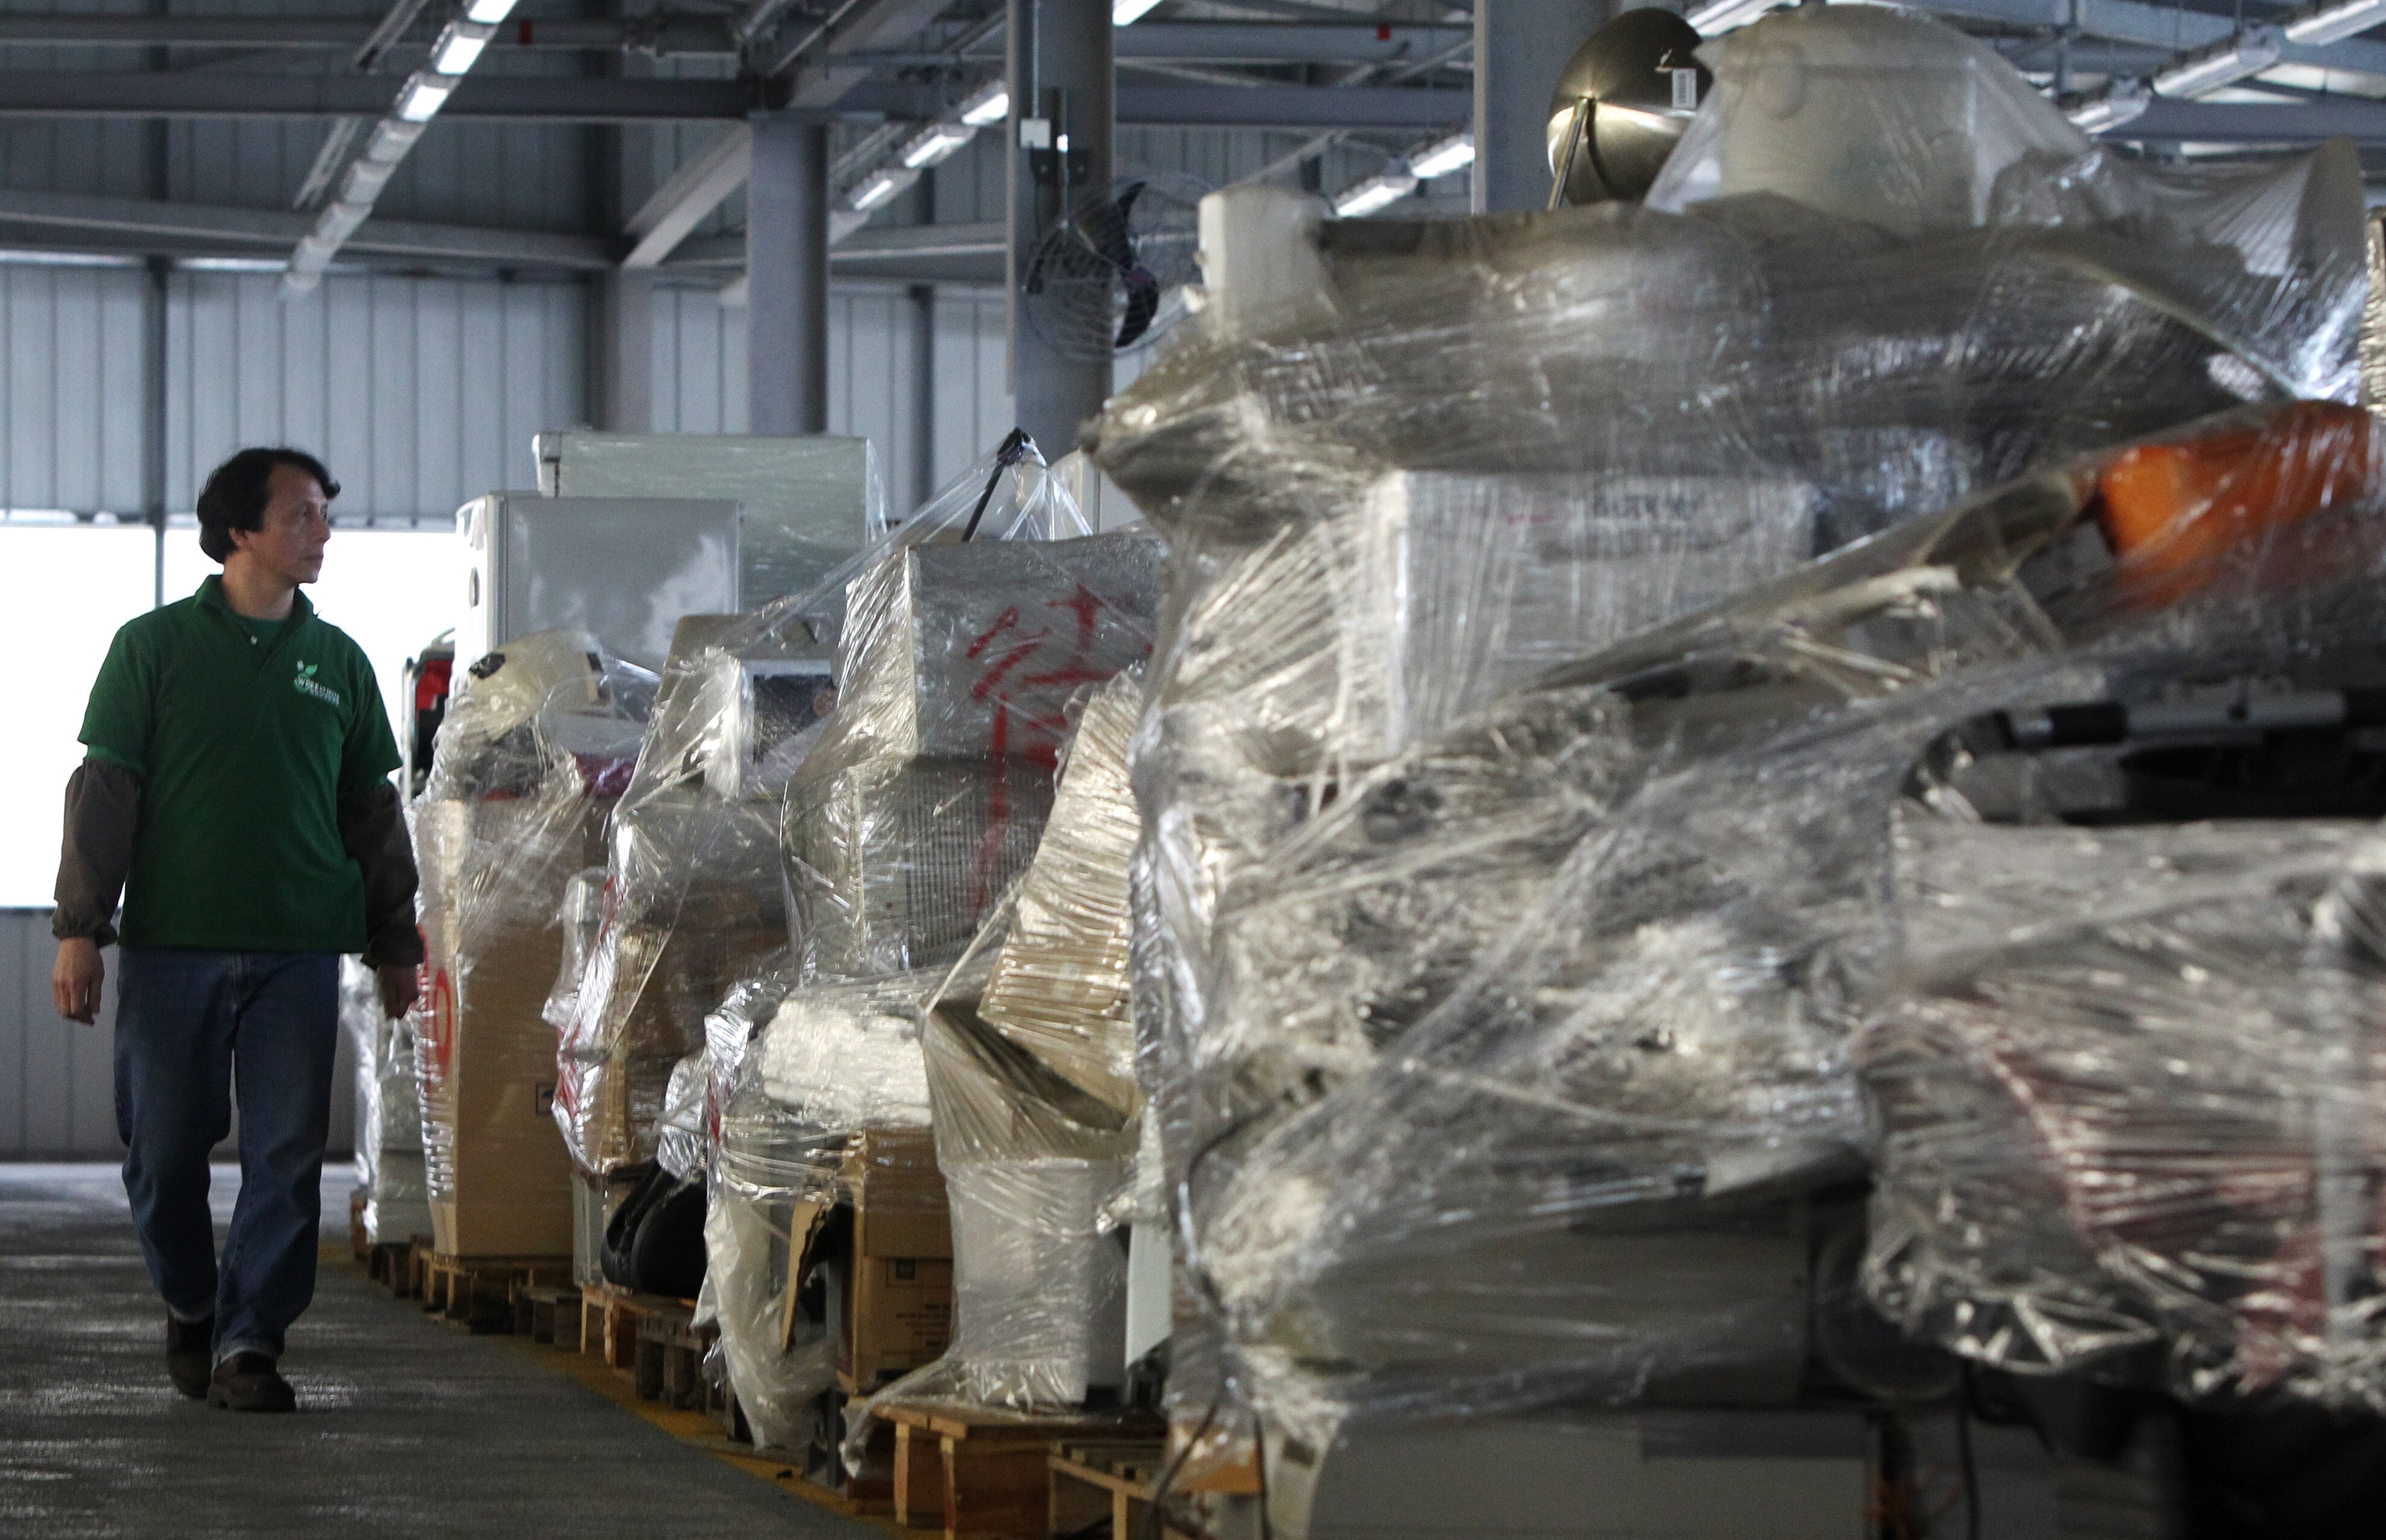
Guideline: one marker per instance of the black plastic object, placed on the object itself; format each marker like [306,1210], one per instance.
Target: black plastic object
[1622,104]
[654,1243]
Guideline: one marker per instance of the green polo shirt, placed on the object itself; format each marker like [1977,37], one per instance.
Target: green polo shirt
[246,742]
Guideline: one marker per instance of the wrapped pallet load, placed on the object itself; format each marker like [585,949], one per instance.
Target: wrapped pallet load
[691,898]
[1031,1077]
[964,640]
[389,1114]
[536,747]
[1446,815]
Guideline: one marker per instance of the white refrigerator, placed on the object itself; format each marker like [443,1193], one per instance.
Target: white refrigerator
[622,568]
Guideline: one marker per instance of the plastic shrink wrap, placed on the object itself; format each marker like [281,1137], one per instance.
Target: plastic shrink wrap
[694,883]
[1666,406]
[389,1113]
[1030,1071]
[833,1091]
[1521,1069]
[537,746]
[939,754]
[691,896]
[932,780]
[2127,1080]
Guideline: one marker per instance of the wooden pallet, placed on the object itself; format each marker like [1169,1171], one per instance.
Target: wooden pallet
[986,1474]
[359,1243]
[479,1291]
[650,1338]
[391,1264]
[549,1313]
[870,1486]
[1116,1481]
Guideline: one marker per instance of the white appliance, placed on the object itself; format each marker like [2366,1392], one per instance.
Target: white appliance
[622,568]
[811,503]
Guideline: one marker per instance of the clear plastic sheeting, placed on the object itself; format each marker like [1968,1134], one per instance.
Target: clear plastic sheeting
[1894,120]
[1036,1124]
[537,744]
[932,779]
[837,1061]
[1059,989]
[389,1113]
[1519,1069]
[694,881]
[684,1144]
[2128,1102]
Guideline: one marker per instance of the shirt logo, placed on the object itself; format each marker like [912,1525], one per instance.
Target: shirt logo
[305,684]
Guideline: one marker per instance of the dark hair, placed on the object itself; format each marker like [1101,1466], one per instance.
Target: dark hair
[235,495]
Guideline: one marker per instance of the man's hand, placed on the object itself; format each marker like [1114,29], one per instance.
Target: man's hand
[398,989]
[76,978]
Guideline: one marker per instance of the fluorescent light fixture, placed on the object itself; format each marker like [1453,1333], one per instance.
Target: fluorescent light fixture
[2325,23]
[424,96]
[2122,102]
[1722,16]
[339,220]
[1127,13]
[232,264]
[488,13]
[1453,154]
[937,142]
[990,105]
[879,187]
[364,180]
[459,48]
[2247,53]
[390,140]
[1378,191]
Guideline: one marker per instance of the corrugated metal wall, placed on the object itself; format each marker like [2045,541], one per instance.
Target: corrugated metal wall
[421,392]
[71,387]
[699,374]
[424,392]
[57,1081]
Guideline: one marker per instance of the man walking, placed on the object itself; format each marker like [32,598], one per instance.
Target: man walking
[236,795]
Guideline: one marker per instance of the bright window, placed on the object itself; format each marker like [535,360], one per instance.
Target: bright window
[64,590]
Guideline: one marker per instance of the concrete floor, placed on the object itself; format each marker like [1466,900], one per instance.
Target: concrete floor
[406,1427]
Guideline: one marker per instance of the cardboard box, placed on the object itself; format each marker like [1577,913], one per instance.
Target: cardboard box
[499,1176]
[883,1239]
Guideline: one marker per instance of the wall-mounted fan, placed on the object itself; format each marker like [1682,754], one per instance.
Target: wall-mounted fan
[1109,278]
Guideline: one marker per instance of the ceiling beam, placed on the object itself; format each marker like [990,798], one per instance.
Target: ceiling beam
[216,227]
[1236,42]
[148,94]
[692,193]
[2258,123]
[1260,107]
[2173,29]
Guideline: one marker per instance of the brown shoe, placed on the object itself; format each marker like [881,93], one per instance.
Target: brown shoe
[248,1382]
[189,1345]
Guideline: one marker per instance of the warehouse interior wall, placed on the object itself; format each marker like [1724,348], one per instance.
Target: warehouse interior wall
[421,392]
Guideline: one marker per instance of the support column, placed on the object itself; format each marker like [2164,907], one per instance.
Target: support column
[923,393]
[1519,47]
[621,376]
[786,272]
[1060,72]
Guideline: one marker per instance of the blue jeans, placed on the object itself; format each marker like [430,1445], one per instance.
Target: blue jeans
[186,1021]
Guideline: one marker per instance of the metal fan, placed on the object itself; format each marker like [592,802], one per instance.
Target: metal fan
[1621,105]
[1109,278]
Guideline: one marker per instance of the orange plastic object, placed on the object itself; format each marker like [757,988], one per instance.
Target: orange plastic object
[2175,512]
